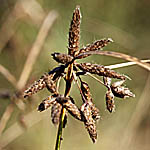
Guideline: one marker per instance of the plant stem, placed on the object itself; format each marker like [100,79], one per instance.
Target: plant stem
[63,112]
[60,128]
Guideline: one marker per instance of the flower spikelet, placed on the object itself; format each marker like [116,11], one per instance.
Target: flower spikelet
[97,45]
[74,32]
[36,86]
[89,121]
[100,70]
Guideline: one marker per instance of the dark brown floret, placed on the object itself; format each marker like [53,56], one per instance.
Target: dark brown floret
[51,85]
[89,121]
[95,112]
[45,104]
[55,112]
[62,58]
[97,45]
[36,86]
[68,103]
[86,96]
[110,101]
[122,92]
[100,70]
[85,91]
[74,32]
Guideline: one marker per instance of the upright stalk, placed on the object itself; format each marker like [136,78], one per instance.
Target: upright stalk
[62,116]
[60,128]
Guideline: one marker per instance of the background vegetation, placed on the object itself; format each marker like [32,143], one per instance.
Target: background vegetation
[127,23]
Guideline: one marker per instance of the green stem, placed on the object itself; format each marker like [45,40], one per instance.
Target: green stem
[63,112]
[60,128]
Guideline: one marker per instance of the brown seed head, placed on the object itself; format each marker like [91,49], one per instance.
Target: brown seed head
[122,92]
[55,112]
[89,121]
[88,99]
[110,101]
[97,45]
[95,112]
[74,32]
[99,70]
[51,85]
[62,58]
[36,86]
[49,101]
[68,103]
[86,92]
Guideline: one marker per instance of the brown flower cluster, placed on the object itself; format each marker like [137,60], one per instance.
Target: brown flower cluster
[69,70]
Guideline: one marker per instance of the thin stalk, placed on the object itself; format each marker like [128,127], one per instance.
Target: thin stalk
[59,133]
[75,79]
[89,74]
[63,112]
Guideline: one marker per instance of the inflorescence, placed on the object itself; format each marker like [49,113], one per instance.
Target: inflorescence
[70,70]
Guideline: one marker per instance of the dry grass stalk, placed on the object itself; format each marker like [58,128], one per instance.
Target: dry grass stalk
[36,48]
[8,76]
[16,130]
[21,9]
[6,117]
[126,64]
[118,55]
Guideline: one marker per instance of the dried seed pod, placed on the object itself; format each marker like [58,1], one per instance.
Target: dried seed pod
[86,96]
[95,112]
[122,92]
[85,91]
[107,81]
[51,85]
[97,45]
[55,113]
[74,32]
[46,103]
[36,86]
[100,70]
[68,103]
[89,121]
[110,101]
[62,58]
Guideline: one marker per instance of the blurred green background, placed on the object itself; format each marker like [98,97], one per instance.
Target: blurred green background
[126,22]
